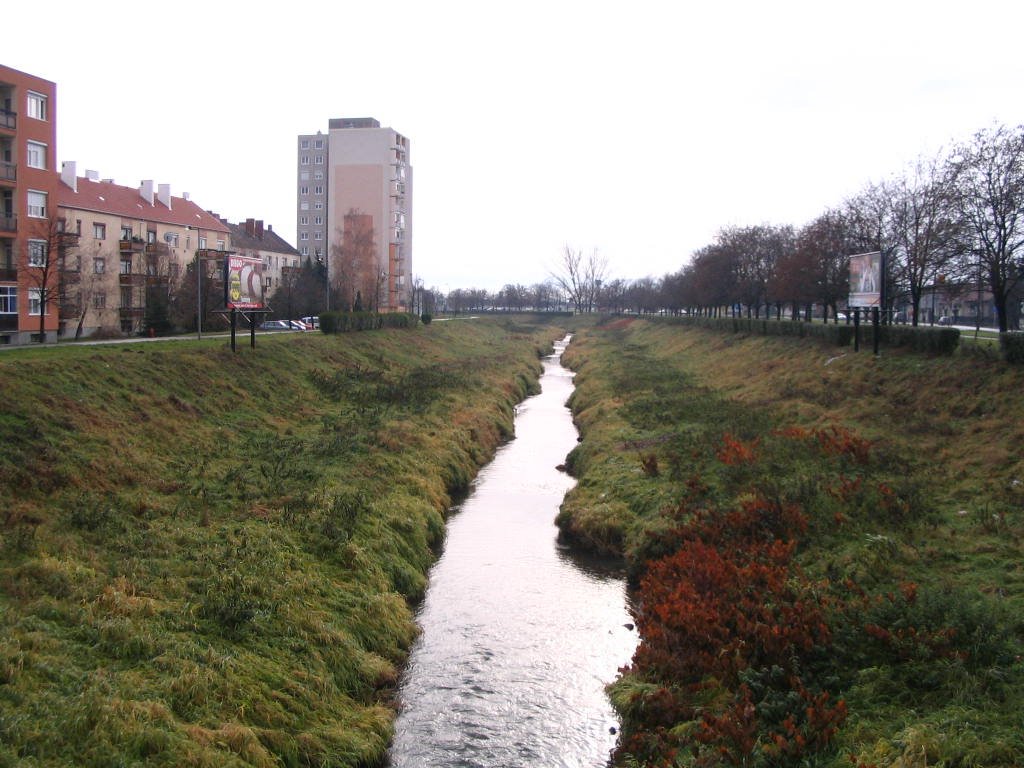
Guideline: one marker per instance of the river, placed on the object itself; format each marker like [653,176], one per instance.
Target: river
[519,636]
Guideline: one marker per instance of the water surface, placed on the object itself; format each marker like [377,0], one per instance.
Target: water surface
[519,637]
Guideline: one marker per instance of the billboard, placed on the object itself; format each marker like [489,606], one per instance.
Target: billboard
[865,280]
[243,282]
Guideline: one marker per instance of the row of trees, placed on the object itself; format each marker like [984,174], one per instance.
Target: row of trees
[948,219]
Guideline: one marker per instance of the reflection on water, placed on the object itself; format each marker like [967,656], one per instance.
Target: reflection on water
[519,637]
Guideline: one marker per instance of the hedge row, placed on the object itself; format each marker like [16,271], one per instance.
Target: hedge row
[1012,345]
[346,322]
[939,341]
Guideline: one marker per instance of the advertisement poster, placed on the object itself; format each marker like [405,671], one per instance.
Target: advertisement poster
[243,283]
[865,280]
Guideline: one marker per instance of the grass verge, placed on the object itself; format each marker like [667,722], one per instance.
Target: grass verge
[209,558]
[826,547]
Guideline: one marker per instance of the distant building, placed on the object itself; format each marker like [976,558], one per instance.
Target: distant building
[354,211]
[131,242]
[28,210]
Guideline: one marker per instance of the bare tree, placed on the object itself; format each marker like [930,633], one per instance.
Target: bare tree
[923,229]
[47,249]
[580,278]
[356,276]
[988,173]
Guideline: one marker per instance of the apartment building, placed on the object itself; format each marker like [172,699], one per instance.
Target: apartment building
[251,238]
[29,236]
[354,210]
[133,244]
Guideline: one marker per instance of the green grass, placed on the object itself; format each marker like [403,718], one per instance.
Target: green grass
[209,558]
[909,469]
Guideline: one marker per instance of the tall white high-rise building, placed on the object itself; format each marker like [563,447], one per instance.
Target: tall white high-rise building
[354,212]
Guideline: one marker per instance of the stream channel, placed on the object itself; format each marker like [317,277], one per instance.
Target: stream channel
[519,636]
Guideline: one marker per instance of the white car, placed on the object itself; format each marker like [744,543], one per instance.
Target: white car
[274,325]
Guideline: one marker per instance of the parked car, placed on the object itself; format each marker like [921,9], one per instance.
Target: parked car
[274,325]
[312,322]
[298,325]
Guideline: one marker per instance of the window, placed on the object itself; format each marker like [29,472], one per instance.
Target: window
[319,160]
[202,243]
[318,236]
[319,205]
[304,206]
[126,232]
[36,105]
[151,236]
[317,253]
[319,189]
[126,297]
[304,190]
[126,265]
[37,253]
[303,220]
[318,176]
[304,176]
[99,265]
[304,144]
[220,245]
[8,300]
[303,235]
[305,250]
[36,204]
[35,155]
[267,284]
[304,160]
[319,144]
[35,302]
[99,231]
[99,300]
[172,239]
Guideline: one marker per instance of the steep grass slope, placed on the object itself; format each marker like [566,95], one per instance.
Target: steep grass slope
[208,558]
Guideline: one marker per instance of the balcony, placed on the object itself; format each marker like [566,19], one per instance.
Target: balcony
[8,171]
[8,119]
[131,278]
[8,223]
[135,245]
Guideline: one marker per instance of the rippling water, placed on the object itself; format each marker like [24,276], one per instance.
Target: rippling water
[519,637]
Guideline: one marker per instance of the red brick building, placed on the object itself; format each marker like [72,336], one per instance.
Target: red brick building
[29,221]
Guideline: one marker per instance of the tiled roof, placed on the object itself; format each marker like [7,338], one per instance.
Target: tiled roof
[107,197]
[270,241]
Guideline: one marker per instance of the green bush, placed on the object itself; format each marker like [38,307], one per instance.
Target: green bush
[426,318]
[1012,345]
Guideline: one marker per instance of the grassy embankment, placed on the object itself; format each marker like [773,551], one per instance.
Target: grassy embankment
[827,547]
[208,558]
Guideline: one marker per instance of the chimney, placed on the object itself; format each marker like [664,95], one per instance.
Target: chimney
[250,227]
[164,195]
[259,228]
[270,228]
[92,175]
[184,196]
[146,190]
[69,174]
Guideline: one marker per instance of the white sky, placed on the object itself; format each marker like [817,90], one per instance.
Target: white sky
[634,128]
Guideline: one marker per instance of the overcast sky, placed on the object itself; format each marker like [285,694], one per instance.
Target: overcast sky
[637,129]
